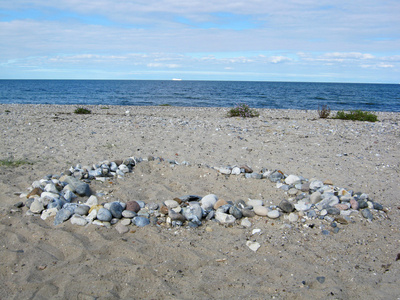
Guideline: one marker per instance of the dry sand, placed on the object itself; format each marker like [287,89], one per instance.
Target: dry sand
[40,261]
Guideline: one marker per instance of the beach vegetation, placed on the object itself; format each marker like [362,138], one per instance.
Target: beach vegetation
[324,111]
[104,107]
[357,115]
[82,111]
[243,110]
[10,162]
[165,104]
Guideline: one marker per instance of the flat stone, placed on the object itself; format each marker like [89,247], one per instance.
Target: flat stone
[141,221]
[273,214]
[224,218]
[292,179]
[92,200]
[315,197]
[366,213]
[78,220]
[51,212]
[171,203]
[62,216]
[129,214]
[245,223]
[35,192]
[260,210]
[254,246]
[121,228]
[126,221]
[176,216]
[255,202]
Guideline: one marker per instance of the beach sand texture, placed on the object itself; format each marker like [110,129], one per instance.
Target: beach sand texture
[41,261]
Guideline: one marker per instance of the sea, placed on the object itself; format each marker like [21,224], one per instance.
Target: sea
[276,95]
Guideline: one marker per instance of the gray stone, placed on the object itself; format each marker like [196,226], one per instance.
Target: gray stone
[82,210]
[366,213]
[104,215]
[377,206]
[121,228]
[141,221]
[292,179]
[316,184]
[276,176]
[260,210]
[248,213]
[29,202]
[315,197]
[81,188]
[333,211]
[286,206]
[62,216]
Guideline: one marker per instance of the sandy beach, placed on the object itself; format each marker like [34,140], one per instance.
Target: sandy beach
[41,261]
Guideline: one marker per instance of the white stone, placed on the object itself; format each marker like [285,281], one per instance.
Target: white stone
[37,206]
[260,210]
[177,209]
[78,220]
[92,201]
[51,212]
[208,201]
[254,202]
[293,217]
[255,231]
[91,216]
[225,171]
[236,171]
[98,223]
[51,188]
[315,197]
[292,179]
[316,184]
[273,214]
[245,222]
[224,218]
[123,168]
[171,203]
[253,245]
[302,206]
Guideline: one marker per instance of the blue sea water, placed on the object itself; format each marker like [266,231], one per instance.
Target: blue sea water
[281,95]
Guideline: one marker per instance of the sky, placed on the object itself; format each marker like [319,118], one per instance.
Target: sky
[252,40]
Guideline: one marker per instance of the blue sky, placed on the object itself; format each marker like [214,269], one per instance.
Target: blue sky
[287,40]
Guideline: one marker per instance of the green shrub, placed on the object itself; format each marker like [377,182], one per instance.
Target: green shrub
[242,110]
[82,111]
[357,115]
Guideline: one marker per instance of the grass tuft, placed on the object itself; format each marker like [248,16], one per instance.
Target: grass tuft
[324,111]
[9,162]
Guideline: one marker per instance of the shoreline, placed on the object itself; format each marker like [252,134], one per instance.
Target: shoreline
[67,261]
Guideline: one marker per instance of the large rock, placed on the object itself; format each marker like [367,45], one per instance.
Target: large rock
[208,201]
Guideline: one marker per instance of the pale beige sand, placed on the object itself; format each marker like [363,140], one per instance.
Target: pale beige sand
[40,261]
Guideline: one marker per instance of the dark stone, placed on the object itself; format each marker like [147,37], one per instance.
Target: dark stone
[286,206]
[333,211]
[246,169]
[19,204]
[116,210]
[132,206]
[321,279]
[236,212]
[362,204]
[377,205]
[248,213]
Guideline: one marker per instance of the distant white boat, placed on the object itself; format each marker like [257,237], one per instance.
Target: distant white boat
[176,79]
